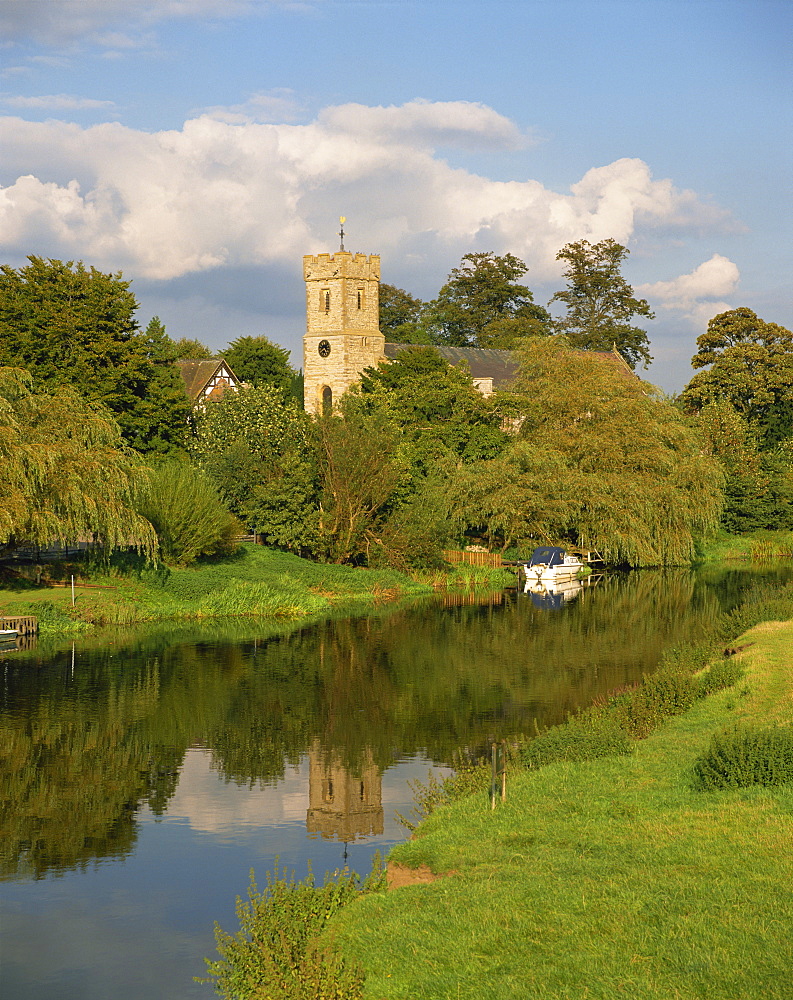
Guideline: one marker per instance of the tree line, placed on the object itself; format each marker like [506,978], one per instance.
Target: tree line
[99,438]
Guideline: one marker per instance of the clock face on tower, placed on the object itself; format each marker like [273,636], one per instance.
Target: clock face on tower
[324,348]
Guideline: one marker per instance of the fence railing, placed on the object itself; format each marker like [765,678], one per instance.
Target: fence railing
[473,558]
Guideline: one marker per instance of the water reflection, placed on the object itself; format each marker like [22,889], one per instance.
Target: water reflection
[165,750]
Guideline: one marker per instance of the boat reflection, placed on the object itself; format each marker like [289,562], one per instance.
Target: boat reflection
[551,595]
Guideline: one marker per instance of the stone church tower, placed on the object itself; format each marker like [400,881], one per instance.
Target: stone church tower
[342,324]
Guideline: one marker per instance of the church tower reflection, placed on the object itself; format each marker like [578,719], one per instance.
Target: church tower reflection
[344,805]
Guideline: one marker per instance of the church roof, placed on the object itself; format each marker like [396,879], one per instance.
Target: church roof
[498,365]
[483,362]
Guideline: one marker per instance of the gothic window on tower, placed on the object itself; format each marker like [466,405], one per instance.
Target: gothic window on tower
[327,399]
[324,299]
[360,298]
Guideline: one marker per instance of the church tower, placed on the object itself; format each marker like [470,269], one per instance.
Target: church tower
[342,324]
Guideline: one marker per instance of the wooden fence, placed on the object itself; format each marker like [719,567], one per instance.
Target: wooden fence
[473,558]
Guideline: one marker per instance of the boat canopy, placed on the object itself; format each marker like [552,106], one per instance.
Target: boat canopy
[549,555]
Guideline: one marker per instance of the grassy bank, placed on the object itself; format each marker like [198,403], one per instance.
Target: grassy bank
[608,878]
[254,582]
[757,545]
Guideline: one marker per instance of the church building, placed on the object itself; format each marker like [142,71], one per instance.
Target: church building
[343,332]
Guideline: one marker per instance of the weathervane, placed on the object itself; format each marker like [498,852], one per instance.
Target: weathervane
[342,220]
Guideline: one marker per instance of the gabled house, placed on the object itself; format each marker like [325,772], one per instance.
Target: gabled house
[207,379]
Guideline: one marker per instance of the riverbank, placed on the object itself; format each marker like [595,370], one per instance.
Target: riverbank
[254,582]
[607,878]
[756,545]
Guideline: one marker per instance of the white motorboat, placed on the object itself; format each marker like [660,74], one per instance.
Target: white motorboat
[551,564]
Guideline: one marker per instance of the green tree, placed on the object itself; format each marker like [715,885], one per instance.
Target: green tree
[401,316]
[600,460]
[256,447]
[482,305]
[748,362]
[67,473]
[361,470]
[69,325]
[190,520]
[600,303]
[191,350]
[258,361]
[758,490]
[435,404]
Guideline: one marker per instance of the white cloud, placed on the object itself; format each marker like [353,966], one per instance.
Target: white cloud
[57,102]
[219,193]
[59,22]
[698,295]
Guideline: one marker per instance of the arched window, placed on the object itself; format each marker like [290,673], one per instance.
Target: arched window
[327,399]
[325,300]
[360,298]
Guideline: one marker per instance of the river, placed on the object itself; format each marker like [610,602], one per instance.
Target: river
[142,776]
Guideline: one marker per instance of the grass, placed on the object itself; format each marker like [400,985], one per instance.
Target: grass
[609,878]
[254,582]
[756,545]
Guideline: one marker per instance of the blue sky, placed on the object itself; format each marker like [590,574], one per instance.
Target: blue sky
[203,146]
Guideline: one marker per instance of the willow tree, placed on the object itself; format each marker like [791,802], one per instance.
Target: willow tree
[67,473]
[599,460]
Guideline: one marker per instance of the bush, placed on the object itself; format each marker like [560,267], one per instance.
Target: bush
[739,758]
[721,674]
[277,951]
[586,737]
[668,692]
[187,514]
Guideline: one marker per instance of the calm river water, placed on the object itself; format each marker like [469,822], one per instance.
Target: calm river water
[141,778]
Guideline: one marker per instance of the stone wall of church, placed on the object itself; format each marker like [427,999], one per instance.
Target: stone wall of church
[342,323]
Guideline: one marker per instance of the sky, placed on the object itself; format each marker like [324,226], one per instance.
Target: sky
[201,147]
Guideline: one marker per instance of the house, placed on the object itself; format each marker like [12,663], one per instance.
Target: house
[207,379]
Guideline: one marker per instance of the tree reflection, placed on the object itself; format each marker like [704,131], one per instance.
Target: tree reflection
[85,747]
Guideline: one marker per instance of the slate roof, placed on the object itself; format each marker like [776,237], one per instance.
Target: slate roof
[500,366]
[484,362]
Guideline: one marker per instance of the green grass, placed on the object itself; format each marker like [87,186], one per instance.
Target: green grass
[254,582]
[756,545]
[609,878]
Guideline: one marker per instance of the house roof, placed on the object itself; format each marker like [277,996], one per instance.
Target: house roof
[498,365]
[198,374]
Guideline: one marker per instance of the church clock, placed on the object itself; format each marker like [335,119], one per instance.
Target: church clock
[324,348]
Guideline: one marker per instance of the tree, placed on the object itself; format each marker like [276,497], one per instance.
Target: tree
[258,361]
[191,350]
[255,446]
[67,473]
[360,470]
[190,520]
[749,363]
[435,404]
[69,325]
[401,316]
[758,490]
[481,305]
[599,461]
[600,303]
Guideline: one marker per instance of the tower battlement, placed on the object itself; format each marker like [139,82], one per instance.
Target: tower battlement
[342,264]
[342,323]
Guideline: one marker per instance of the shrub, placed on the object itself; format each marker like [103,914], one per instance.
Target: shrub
[277,951]
[585,737]
[721,674]
[187,514]
[470,776]
[665,693]
[739,758]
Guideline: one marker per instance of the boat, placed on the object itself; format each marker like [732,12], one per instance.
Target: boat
[6,634]
[551,564]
